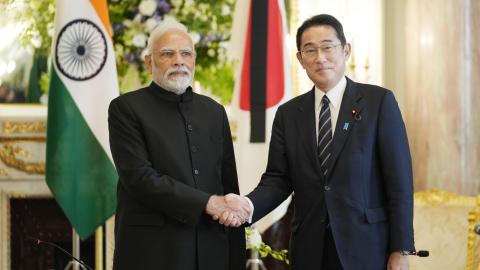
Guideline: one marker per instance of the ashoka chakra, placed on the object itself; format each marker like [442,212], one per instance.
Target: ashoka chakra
[81,50]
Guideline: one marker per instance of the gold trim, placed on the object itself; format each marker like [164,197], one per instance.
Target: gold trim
[22,139]
[9,153]
[234,129]
[473,240]
[437,197]
[18,127]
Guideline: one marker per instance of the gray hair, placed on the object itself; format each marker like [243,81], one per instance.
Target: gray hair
[164,26]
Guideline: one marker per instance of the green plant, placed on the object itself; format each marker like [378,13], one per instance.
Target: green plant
[255,243]
[208,21]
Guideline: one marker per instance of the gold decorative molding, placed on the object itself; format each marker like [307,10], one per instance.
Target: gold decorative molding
[9,155]
[473,240]
[444,223]
[437,197]
[22,127]
[23,139]
[234,129]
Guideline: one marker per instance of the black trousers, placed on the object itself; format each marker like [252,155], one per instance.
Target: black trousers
[330,260]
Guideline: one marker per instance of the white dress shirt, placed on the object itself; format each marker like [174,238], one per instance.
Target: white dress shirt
[335,95]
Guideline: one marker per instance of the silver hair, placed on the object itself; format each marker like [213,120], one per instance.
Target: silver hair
[166,25]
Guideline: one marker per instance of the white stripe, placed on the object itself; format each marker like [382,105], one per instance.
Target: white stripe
[324,123]
[328,131]
[323,113]
[323,150]
[326,158]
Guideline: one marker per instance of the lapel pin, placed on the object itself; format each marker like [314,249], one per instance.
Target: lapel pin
[356,115]
[345,126]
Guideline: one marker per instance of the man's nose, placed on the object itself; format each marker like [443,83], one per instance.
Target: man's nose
[178,59]
[321,56]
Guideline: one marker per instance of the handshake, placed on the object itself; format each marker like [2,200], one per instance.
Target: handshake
[230,210]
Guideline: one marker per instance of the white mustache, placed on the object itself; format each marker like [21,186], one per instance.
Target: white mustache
[170,71]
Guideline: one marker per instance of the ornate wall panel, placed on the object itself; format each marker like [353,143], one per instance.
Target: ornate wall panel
[442,226]
[22,142]
[432,61]
[473,172]
[22,163]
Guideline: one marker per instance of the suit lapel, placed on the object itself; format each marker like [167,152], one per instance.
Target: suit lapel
[352,104]
[306,127]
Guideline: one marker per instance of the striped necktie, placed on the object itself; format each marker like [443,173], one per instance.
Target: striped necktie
[324,135]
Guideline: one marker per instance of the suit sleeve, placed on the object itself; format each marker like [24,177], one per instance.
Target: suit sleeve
[396,167]
[141,181]
[275,185]
[236,236]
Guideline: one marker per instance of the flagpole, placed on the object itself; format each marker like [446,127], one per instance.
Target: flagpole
[99,248]
[75,248]
[255,263]
[75,252]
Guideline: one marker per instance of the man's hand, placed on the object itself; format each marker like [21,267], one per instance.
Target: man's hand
[397,261]
[241,211]
[232,210]
[216,205]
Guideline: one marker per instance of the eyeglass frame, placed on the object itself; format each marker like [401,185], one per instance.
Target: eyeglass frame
[325,49]
[165,55]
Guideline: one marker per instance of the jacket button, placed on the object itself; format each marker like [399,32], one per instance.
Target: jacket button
[327,188]
[196,172]
[194,149]
[189,127]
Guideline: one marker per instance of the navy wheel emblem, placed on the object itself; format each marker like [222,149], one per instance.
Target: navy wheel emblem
[81,50]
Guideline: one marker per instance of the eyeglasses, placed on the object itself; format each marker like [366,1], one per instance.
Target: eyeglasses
[168,55]
[312,52]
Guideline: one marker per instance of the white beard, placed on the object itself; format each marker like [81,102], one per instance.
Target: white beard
[177,84]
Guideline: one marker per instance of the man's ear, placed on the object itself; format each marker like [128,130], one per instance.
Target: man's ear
[148,62]
[347,50]
[300,59]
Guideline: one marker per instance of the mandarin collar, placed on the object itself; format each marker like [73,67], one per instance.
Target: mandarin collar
[170,96]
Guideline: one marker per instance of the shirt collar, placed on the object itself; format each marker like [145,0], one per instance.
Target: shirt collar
[334,95]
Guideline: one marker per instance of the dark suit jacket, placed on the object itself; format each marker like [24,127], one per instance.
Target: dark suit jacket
[367,193]
[171,153]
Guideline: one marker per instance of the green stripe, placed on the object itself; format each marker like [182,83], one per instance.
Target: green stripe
[79,173]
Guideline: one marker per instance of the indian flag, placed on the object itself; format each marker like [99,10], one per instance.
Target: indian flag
[80,170]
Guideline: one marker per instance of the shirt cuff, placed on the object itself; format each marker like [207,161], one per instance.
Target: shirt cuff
[251,209]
